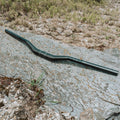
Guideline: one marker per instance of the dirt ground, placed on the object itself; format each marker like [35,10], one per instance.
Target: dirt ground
[19,100]
[104,35]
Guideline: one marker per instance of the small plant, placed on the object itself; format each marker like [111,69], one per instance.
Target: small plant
[110,37]
[12,15]
[55,102]
[107,37]
[118,35]
[36,84]
[118,30]
[73,37]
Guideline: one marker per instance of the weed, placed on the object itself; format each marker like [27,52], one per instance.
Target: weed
[107,37]
[55,102]
[12,15]
[118,35]
[73,37]
[118,30]
[75,17]
[37,82]
[110,37]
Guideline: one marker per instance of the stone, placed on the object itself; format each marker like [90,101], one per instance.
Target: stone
[68,33]
[1,104]
[75,86]
[59,30]
[78,29]
[111,23]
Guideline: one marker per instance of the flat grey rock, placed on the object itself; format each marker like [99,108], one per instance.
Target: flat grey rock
[76,87]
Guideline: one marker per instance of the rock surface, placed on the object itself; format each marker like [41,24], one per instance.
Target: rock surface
[69,87]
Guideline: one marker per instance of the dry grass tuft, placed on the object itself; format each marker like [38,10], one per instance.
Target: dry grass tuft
[12,9]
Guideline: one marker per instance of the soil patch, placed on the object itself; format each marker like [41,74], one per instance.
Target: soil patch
[19,100]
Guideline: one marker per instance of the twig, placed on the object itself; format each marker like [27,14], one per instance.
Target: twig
[108,101]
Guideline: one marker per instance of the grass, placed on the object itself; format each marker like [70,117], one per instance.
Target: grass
[110,37]
[13,9]
[55,102]
[37,82]
[36,85]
